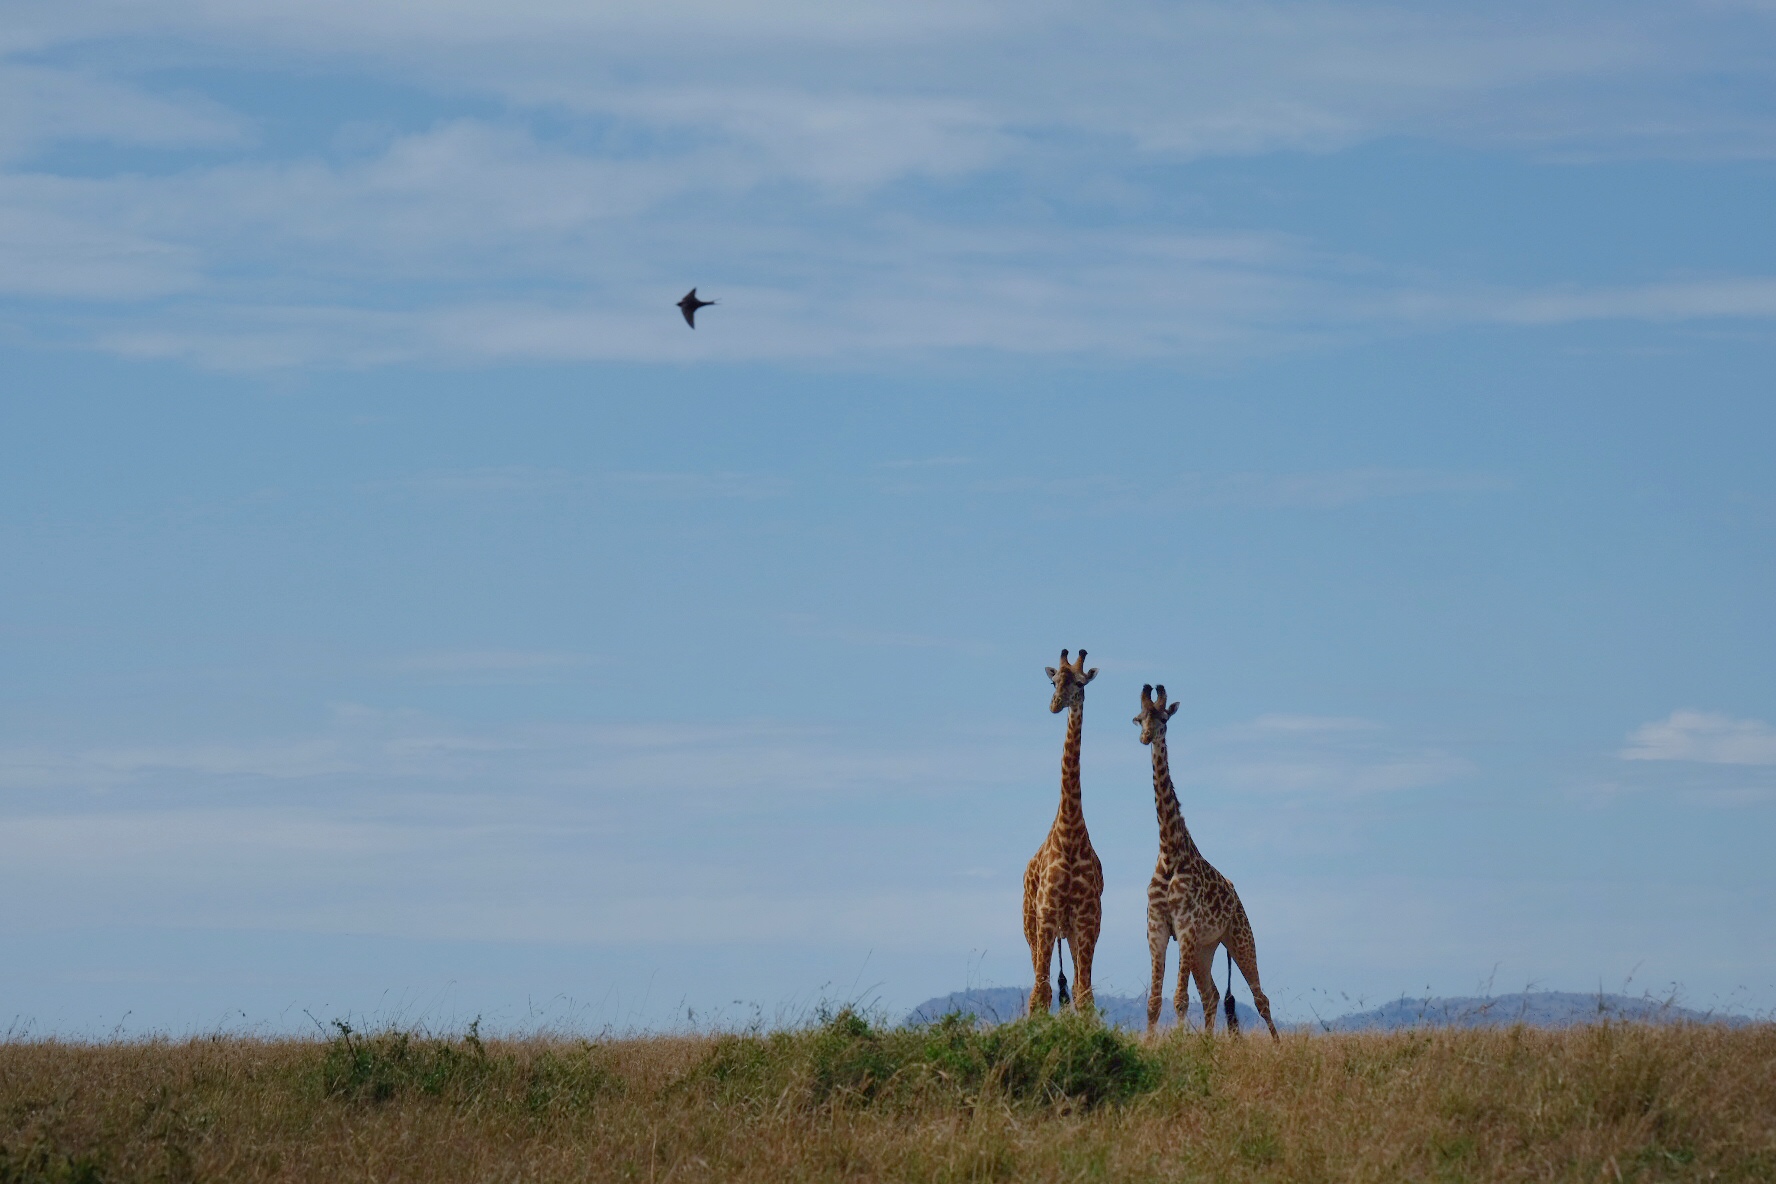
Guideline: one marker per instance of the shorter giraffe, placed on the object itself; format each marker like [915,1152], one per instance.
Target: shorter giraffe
[1187,898]
[1064,884]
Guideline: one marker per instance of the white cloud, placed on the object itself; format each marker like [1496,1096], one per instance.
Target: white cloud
[841,141]
[744,486]
[482,667]
[1194,491]
[394,823]
[751,148]
[39,106]
[1203,77]
[1705,737]
[45,253]
[1266,725]
[367,746]
[1741,297]
[809,625]
[520,479]
[1310,756]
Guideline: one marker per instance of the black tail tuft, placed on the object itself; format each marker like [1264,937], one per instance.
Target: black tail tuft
[1233,1017]
[1061,959]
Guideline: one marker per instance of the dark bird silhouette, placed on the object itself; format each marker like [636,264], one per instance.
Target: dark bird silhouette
[689,306]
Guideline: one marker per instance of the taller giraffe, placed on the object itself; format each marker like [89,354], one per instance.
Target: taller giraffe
[1064,884]
[1187,898]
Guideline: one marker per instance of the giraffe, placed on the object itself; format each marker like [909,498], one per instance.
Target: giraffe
[1187,898]
[1064,883]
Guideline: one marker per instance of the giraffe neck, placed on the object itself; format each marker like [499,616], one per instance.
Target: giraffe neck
[1176,847]
[1071,815]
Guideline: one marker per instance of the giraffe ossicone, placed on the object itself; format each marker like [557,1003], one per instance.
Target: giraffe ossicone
[1064,883]
[1187,898]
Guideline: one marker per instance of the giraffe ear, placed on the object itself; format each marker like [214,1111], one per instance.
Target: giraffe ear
[1089,675]
[1173,710]
[1051,673]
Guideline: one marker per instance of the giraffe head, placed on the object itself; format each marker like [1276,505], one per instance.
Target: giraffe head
[1069,682]
[1154,713]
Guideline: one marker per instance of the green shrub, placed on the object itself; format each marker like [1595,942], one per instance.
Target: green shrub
[1069,1060]
[40,1165]
[567,1081]
[384,1065]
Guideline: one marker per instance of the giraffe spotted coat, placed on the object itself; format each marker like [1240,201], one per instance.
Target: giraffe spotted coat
[1064,884]
[1187,898]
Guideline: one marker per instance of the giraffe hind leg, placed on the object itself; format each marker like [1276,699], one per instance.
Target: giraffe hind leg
[1157,940]
[1203,966]
[1186,960]
[1084,945]
[1244,949]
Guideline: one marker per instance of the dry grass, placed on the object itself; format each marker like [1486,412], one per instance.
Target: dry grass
[1036,1101]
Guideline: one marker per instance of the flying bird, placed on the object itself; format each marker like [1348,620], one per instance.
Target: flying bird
[689,306]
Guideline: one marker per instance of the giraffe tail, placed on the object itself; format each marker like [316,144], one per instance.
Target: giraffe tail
[1066,996]
[1233,1019]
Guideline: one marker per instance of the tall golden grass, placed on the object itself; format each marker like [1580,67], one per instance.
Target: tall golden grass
[1040,1100]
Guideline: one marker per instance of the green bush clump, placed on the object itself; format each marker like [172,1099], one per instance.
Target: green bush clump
[1069,1060]
[566,1082]
[384,1065]
[40,1165]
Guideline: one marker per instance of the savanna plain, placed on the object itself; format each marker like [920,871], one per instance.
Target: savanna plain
[846,1099]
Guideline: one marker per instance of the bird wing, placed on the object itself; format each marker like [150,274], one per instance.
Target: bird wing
[690,312]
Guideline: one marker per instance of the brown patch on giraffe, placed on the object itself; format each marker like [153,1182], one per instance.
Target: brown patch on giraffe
[1064,884]
[1187,898]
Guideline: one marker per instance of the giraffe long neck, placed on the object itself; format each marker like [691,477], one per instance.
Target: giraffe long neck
[1071,815]
[1176,847]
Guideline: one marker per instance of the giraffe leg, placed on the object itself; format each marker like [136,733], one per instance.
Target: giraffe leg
[1245,953]
[1157,940]
[1203,966]
[1186,959]
[1084,943]
[1041,954]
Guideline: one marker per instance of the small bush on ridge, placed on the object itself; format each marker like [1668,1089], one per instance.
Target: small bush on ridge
[1071,1060]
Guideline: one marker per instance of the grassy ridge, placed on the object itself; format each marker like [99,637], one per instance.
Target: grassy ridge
[1047,1099]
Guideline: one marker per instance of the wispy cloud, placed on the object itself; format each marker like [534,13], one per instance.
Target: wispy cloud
[521,479]
[1312,756]
[1329,490]
[1725,298]
[41,105]
[368,746]
[483,667]
[745,486]
[396,822]
[778,151]
[809,625]
[1705,737]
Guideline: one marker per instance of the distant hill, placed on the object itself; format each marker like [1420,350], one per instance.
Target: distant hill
[1536,1009]
[998,1005]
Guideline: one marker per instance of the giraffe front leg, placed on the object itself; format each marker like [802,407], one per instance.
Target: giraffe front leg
[1041,953]
[1157,939]
[1204,968]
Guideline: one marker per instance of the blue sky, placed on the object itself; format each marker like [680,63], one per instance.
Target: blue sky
[404,614]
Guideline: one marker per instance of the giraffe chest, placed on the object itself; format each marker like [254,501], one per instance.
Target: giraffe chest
[1070,871]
